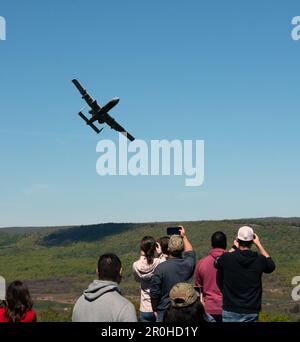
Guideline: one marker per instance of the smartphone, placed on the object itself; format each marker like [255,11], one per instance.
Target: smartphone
[173,231]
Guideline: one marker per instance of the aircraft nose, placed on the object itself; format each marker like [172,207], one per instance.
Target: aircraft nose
[116,100]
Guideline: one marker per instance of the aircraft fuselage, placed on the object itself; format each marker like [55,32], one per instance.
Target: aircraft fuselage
[100,115]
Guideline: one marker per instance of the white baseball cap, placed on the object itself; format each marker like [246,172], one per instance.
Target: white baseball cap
[245,233]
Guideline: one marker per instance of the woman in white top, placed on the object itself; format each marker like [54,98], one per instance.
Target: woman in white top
[143,270]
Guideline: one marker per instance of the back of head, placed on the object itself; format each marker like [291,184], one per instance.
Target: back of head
[219,240]
[148,247]
[245,244]
[175,246]
[109,267]
[245,236]
[185,305]
[164,242]
[194,313]
[18,301]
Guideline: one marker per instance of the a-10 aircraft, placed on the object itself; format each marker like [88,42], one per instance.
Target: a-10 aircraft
[100,114]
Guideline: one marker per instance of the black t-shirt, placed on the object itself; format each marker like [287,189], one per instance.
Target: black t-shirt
[169,273]
[242,280]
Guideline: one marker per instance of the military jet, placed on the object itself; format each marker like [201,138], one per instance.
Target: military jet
[100,114]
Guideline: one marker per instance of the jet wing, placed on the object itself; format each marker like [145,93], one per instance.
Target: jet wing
[88,99]
[117,127]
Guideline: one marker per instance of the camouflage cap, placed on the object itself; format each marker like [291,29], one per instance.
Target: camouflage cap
[175,244]
[182,295]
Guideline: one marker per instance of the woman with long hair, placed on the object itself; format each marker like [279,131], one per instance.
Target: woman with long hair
[18,304]
[143,270]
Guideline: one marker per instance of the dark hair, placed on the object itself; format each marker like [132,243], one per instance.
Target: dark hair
[219,240]
[109,266]
[164,242]
[194,313]
[148,246]
[18,301]
[247,244]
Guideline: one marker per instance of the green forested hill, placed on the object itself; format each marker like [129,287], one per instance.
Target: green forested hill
[58,263]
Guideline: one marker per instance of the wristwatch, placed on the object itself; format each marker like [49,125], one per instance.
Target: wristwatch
[234,247]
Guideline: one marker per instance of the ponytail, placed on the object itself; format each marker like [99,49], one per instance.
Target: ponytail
[148,246]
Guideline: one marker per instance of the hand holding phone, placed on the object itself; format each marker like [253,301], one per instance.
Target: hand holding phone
[256,240]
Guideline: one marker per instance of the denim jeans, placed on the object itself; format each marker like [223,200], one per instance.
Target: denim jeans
[147,317]
[238,317]
[216,318]
[210,318]
[160,316]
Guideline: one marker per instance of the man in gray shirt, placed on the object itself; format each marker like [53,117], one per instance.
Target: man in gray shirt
[102,301]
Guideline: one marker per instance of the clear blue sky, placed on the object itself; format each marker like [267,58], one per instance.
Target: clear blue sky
[223,71]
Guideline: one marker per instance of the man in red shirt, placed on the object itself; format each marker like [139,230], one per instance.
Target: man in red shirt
[209,279]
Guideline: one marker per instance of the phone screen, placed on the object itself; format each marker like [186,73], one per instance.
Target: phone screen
[173,231]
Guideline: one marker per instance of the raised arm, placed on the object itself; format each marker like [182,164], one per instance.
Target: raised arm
[186,243]
[260,247]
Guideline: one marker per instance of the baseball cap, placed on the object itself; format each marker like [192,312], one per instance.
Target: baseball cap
[182,295]
[245,233]
[175,244]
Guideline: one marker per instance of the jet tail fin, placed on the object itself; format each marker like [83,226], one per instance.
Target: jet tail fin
[96,129]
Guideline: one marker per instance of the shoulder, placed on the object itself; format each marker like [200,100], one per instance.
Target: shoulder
[189,255]
[2,315]
[225,257]
[78,303]
[80,299]
[264,260]
[122,301]
[163,258]
[203,260]
[160,260]
[228,255]
[138,262]
[162,265]
[135,265]
[30,316]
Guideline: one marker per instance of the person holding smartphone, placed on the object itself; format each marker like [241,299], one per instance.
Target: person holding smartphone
[242,271]
[162,247]
[179,267]
[143,270]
